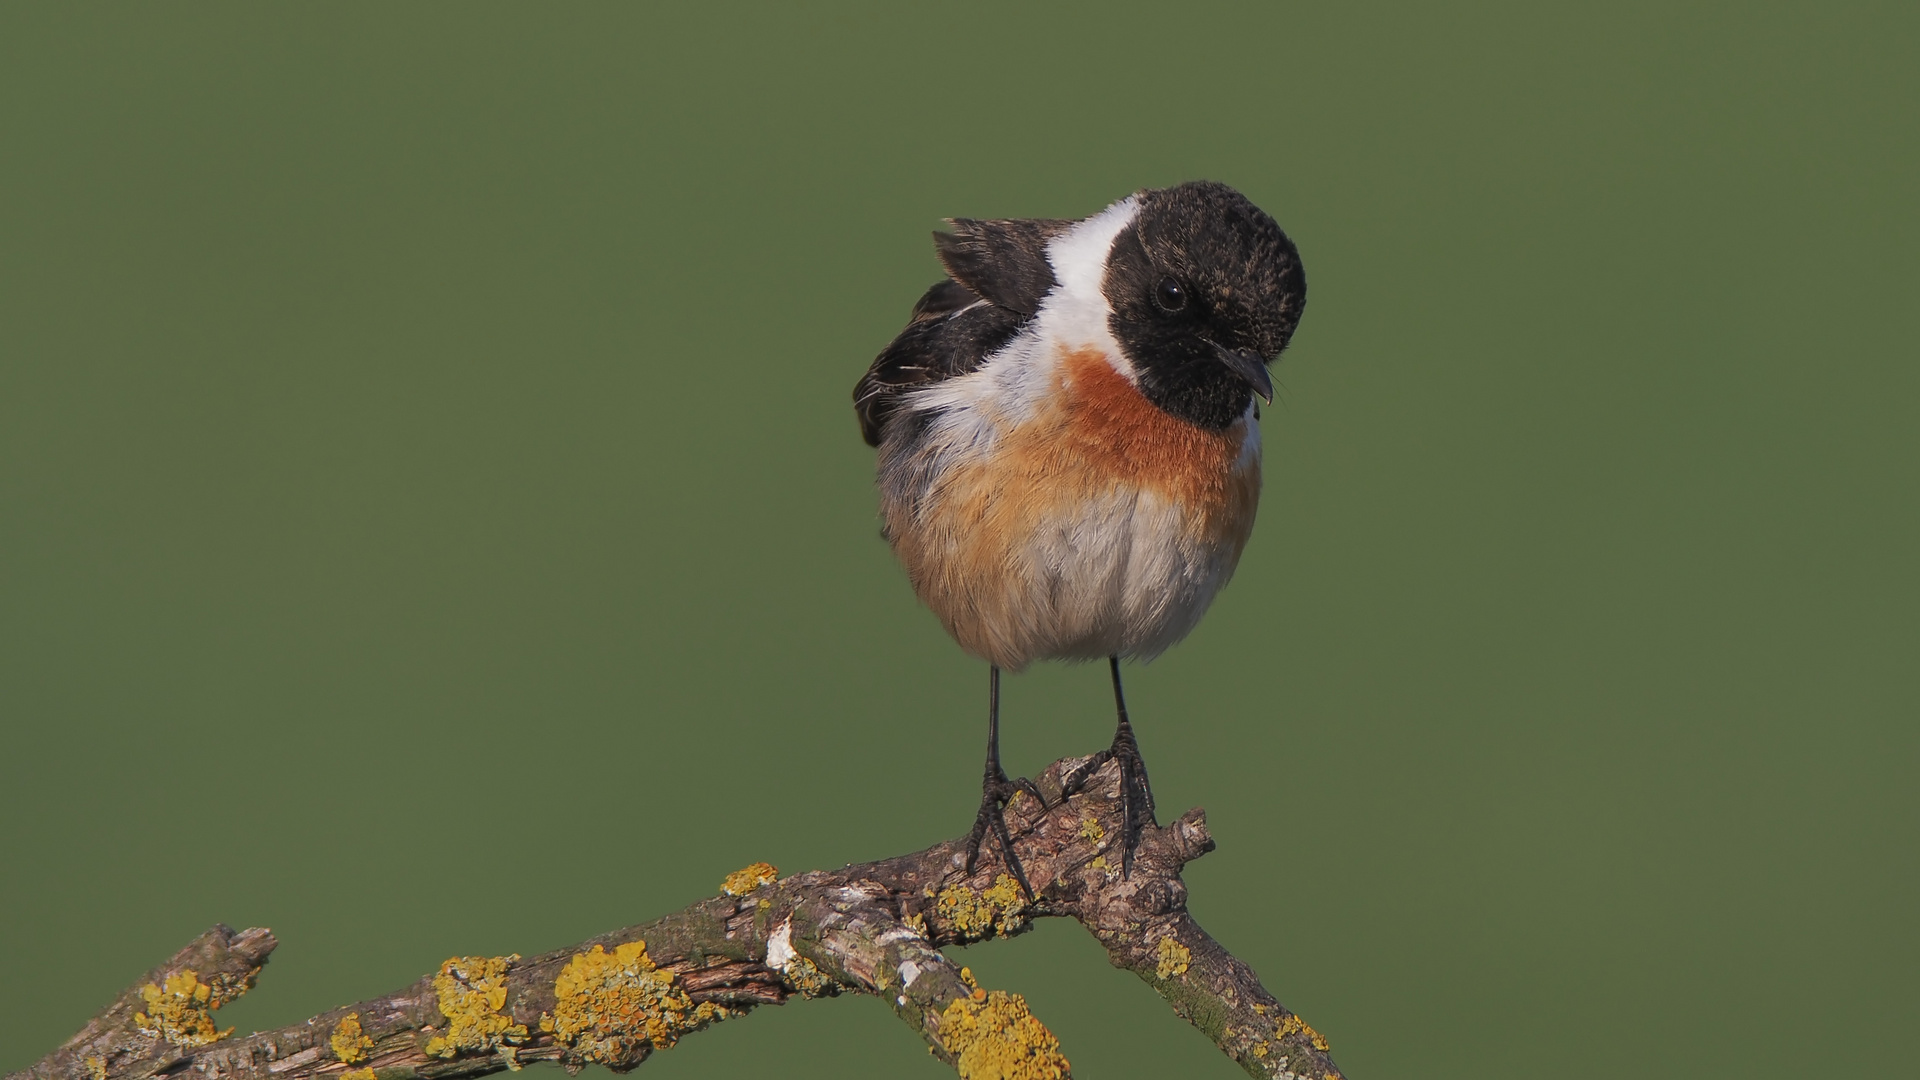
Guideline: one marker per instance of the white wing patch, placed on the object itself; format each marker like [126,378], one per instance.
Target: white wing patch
[1007,386]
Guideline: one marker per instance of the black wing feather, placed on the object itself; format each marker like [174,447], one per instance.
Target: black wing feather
[1003,261]
[951,332]
[944,298]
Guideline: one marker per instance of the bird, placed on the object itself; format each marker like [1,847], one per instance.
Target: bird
[1069,445]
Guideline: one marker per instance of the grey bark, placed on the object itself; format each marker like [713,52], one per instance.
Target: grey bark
[875,928]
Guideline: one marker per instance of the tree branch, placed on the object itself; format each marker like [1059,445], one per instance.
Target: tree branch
[874,929]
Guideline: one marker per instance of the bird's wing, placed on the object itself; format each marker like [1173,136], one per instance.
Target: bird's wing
[951,331]
[1002,261]
[944,298]
[998,274]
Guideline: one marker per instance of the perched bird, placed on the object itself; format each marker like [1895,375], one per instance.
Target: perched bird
[1069,446]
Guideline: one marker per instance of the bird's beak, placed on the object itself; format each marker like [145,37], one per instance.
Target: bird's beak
[1251,368]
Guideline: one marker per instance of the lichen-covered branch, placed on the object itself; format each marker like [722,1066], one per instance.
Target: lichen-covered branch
[613,1000]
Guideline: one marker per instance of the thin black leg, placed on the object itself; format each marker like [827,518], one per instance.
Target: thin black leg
[1136,795]
[995,792]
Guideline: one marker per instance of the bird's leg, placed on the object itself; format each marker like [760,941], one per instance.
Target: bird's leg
[996,791]
[1136,795]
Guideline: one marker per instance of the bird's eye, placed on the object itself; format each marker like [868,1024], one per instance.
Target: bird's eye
[1170,294]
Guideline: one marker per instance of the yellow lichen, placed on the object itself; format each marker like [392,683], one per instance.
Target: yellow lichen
[227,986]
[1173,958]
[1291,1024]
[357,1074]
[992,1036]
[748,878]
[350,1043]
[917,923]
[617,1007]
[472,991]
[1092,832]
[97,1068]
[805,976]
[997,909]
[181,1012]
[1004,895]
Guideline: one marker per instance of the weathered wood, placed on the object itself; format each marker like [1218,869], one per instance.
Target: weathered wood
[876,928]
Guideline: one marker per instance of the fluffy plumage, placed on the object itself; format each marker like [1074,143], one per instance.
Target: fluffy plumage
[1069,450]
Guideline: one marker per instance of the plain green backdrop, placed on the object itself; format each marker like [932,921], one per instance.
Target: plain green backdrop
[432,520]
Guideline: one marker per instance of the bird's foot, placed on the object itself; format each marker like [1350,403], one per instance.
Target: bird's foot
[995,793]
[1136,795]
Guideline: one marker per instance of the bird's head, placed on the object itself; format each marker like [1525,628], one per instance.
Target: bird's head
[1204,291]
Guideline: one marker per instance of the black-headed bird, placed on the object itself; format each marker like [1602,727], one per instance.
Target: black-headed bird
[1069,444]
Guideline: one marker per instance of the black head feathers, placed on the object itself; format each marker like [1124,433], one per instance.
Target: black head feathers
[1204,289]
[1200,288]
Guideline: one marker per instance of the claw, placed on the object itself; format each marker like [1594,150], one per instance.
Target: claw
[994,796]
[1023,784]
[1136,796]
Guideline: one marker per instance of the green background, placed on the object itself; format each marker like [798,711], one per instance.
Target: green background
[432,520]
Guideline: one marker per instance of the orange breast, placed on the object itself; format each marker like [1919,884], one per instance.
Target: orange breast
[1096,434]
[1107,423]
[1052,506]
[1099,434]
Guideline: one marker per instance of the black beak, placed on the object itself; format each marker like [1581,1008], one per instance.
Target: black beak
[1251,367]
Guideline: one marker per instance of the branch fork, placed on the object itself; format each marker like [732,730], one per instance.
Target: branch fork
[876,928]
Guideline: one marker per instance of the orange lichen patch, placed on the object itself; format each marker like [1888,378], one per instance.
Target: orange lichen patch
[617,1007]
[1291,1024]
[181,1012]
[472,990]
[1174,958]
[748,878]
[1000,908]
[97,1068]
[350,1043]
[992,1036]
